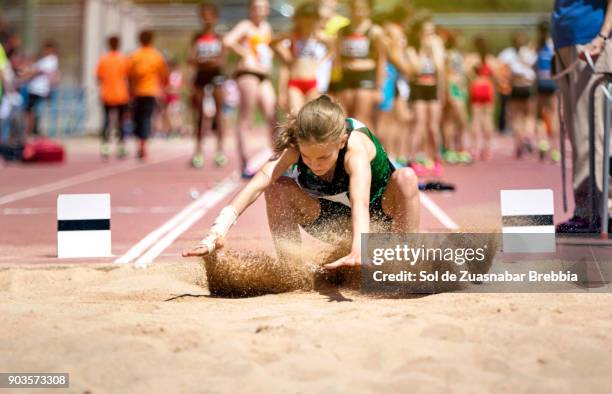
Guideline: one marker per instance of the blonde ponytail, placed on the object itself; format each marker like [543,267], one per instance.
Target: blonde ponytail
[286,136]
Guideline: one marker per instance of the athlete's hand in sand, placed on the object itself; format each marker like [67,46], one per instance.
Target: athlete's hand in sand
[202,250]
[351,260]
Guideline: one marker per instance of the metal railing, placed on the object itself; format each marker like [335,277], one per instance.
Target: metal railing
[64,113]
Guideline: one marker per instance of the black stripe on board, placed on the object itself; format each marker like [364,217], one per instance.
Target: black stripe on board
[527,220]
[83,225]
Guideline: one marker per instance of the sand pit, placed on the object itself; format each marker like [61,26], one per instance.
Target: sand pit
[157,330]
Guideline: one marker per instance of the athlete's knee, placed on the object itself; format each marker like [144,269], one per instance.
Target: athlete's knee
[407,181]
[278,192]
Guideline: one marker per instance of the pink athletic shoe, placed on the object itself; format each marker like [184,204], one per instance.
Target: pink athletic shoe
[419,169]
[437,169]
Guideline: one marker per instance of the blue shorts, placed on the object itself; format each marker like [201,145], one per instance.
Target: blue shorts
[389,88]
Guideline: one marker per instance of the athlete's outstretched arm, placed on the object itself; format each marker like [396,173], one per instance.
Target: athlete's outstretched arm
[357,164]
[269,173]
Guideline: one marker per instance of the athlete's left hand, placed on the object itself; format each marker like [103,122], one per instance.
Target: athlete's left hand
[351,260]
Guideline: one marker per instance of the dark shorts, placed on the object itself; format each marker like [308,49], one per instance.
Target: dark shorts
[213,77]
[357,79]
[261,77]
[334,87]
[142,113]
[546,86]
[521,92]
[423,92]
[33,100]
[334,216]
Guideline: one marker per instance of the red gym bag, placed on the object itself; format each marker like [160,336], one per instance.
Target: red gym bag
[43,150]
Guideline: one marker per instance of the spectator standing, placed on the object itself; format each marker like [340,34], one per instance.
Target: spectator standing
[112,75]
[546,130]
[581,25]
[521,60]
[148,73]
[43,74]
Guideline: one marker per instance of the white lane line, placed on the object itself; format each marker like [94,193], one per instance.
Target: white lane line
[166,241]
[120,210]
[438,212]
[27,211]
[216,195]
[75,180]
[208,201]
[150,239]
[156,234]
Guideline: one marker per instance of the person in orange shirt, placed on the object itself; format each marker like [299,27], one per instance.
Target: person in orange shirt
[112,75]
[148,73]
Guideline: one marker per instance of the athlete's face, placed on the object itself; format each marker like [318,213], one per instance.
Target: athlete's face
[260,9]
[321,157]
[305,24]
[328,8]
[208,16]
[429,29]
[360,9]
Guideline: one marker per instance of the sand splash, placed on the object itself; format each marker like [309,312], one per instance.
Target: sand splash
[239,273]
[232,273]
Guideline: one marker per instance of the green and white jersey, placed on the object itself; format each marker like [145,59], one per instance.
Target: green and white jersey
[338,188]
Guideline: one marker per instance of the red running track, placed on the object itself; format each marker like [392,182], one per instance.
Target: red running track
[147,195]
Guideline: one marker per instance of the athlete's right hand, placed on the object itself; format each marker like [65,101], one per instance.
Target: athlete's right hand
[202,250]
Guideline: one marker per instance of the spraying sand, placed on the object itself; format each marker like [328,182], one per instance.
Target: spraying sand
[233,273]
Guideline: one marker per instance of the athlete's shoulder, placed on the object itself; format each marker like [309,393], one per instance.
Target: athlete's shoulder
[242,27]
[354,124]
[362,139]
[158,56]
[105,58]
[376,30]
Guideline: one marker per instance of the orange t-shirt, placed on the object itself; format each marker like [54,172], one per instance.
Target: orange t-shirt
[112,73]
[148,72]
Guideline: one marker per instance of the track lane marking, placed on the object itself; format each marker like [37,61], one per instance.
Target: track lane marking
[156,242]
[150,239]
[82,178]
[210,199]
[437,212]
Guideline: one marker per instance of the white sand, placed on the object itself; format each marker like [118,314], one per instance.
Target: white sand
[121,329]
